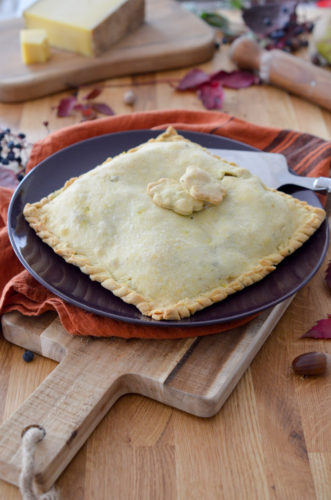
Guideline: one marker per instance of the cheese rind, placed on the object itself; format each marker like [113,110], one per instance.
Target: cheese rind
[85,27]
[34,46]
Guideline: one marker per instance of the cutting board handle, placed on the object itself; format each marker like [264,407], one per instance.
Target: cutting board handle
[69,404]
[195,375]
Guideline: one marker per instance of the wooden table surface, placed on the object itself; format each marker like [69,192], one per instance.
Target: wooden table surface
[271,439]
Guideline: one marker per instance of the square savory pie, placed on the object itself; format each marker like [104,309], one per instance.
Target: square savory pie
[171,228]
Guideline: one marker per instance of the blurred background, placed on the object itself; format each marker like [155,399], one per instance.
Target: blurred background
[10,8]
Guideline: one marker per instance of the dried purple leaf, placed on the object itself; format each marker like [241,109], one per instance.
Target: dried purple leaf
[89,109]
[209,87]
[88,113]
[66,106]
[237,79]
[193,79]
[79,106]
[211,95]
[322,329]
[7,178]
[264,19]
[103,108]
[93,93]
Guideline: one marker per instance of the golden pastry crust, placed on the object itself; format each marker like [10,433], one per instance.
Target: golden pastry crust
[168,193]
[170,265]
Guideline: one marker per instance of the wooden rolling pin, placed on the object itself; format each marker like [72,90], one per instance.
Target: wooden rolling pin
[284,70]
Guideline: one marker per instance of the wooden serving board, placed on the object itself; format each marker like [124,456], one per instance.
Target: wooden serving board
[195,375]
[171,37]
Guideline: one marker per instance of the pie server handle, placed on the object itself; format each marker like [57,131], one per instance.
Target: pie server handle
[313,183]
[322,183]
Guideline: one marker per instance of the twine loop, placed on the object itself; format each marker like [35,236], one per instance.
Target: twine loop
[31,436]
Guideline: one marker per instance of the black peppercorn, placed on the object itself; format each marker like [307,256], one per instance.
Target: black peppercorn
[28,356]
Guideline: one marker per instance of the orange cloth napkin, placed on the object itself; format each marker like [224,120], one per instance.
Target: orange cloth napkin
[306,154]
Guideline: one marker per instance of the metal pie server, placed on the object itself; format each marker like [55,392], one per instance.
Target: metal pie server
[272,169]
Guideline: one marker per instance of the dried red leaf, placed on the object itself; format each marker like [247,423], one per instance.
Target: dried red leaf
[328,275]
[264,19]
[322,329]
[103,108]
[211,95]
[209,87]
[237,79]
[88,112]
[66,106]
[193,79]
[93,93]
[79,106]
[7,178]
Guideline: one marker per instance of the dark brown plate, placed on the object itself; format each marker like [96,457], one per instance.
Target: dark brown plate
[69,283]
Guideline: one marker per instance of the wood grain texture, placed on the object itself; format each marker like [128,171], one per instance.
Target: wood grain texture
[271,439]
[301,78]
[171,37]
[195,375]
[286,71]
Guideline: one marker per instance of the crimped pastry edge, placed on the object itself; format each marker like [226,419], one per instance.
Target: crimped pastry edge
[187,306]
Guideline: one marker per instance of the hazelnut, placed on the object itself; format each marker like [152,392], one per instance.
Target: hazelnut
[310,364]
[129,97]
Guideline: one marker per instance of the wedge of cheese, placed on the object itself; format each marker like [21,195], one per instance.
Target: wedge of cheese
[88,27]
[34,46]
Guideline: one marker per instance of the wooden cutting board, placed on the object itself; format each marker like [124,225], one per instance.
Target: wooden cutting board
[195,375]
[171,37]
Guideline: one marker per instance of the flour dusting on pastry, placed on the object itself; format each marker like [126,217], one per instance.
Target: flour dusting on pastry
[171,228]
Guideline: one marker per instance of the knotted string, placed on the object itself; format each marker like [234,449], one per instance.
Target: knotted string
[31,436]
